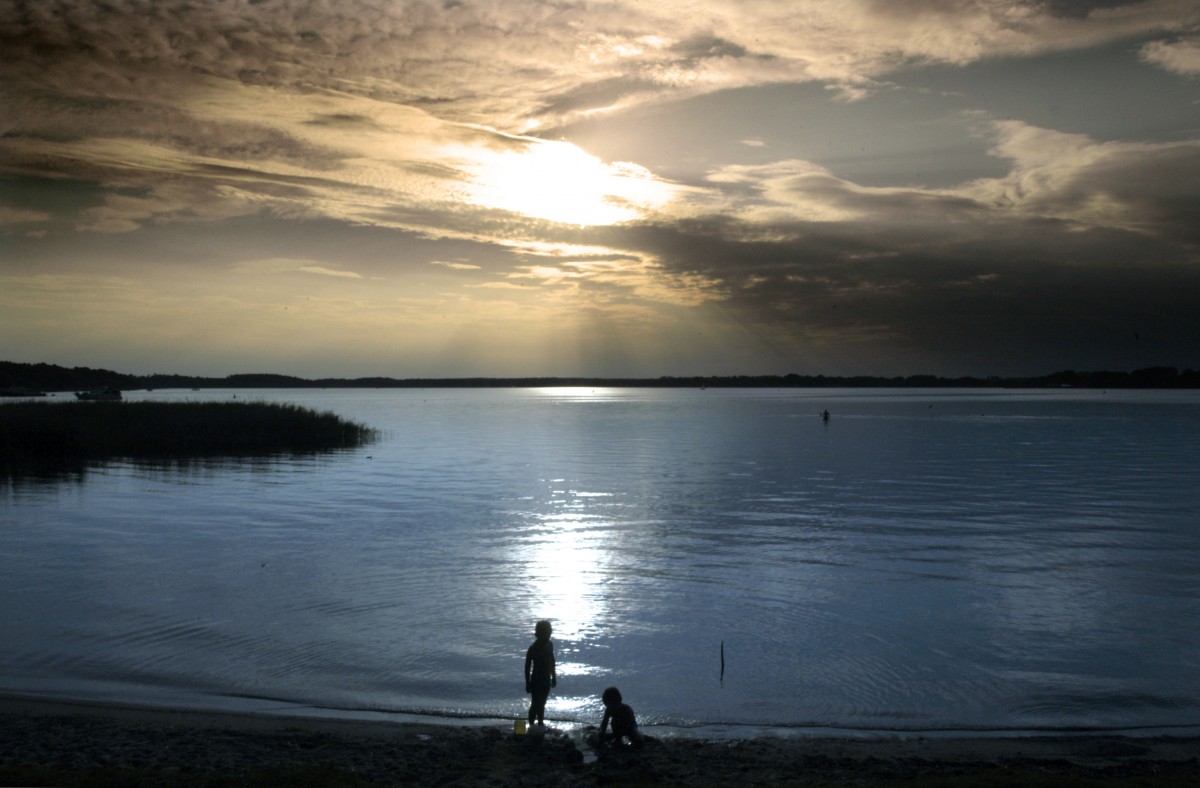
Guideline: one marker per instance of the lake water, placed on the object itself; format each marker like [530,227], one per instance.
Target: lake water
[926,560]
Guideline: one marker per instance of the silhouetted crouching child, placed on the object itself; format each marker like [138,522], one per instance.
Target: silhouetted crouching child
[624,724]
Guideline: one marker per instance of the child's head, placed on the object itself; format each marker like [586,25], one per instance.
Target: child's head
[543,629]
[611,696]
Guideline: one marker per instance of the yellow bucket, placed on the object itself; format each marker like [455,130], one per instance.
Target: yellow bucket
[519,727]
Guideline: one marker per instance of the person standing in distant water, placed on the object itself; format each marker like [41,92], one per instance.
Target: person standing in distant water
[825,415]
[540,673]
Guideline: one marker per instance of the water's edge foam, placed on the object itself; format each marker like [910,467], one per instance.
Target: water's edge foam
[243,705]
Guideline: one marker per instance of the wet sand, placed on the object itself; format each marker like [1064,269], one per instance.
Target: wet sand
[60,743]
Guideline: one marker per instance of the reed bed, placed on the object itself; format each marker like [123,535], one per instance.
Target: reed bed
[37,433]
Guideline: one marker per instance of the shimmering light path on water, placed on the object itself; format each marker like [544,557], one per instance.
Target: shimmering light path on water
[927,559]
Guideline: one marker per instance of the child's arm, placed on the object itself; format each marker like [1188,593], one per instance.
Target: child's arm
[553,668]
[604,723]
[528,665]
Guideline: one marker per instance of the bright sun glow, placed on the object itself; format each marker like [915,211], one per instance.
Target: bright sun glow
[561,183]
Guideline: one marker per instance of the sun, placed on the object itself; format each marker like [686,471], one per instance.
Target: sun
[559,182]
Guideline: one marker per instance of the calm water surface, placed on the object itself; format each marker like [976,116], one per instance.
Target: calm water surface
[926,560]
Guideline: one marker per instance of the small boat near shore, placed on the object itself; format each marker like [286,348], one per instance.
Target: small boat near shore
[106,394]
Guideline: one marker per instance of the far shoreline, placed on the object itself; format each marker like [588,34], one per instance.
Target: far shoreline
[50,377]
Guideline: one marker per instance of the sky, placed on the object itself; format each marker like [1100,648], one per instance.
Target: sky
[510,188]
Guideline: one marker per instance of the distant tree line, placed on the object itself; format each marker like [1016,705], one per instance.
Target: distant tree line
[19,377]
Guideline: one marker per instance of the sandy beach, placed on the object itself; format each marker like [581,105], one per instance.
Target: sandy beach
[63,743]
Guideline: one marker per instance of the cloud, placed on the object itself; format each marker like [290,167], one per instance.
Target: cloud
[499,286]
[254,152]
[1180,57]
[456,265]
[285,265]
[380,112]
[1096,236]
[1139,187]
[420,117]
[323,271]
[1053,176]
[770,197]
[514,66]
[226,149]
[10,215]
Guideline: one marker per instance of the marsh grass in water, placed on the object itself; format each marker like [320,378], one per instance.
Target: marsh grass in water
[41,434]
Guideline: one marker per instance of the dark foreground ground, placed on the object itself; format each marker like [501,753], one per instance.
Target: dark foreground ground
[51,743]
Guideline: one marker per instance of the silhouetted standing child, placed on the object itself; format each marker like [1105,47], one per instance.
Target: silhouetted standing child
[624,724]
[540,672]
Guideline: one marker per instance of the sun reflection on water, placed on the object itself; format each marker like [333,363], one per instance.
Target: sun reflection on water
[567,551]
[576,393]
[567,560]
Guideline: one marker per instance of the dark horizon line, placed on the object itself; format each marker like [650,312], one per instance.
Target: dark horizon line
[51,377]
